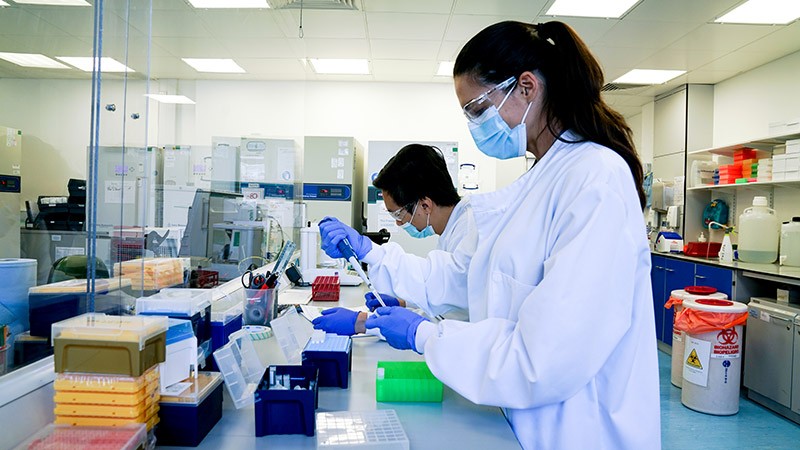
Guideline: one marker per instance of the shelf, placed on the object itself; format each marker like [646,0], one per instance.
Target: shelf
[763,145]
[788,183]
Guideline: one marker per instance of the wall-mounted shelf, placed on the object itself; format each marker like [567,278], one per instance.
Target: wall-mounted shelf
[788,183]
[764,146]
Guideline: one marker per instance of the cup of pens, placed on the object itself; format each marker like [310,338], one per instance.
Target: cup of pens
[260,306]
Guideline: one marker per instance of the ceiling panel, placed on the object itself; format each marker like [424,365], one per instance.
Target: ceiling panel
[783,41]
[618,58]
[323,24]
[409,6]
[63,46]
[463,27]
[589,30]
[397,70]
[275,68]
[23,22]
[645,34]
[336,48]
[680,10]
[404,49]
[523,10]
[407,26]
[721,38]
[678,59]
[192,47]
[259,48]
[241,23]
[449,50]
[178,24]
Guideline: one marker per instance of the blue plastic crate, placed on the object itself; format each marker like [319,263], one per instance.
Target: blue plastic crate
[333,357]
[219,337]
[287,411]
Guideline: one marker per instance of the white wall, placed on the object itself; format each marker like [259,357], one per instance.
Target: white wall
[745,104]
[54,117]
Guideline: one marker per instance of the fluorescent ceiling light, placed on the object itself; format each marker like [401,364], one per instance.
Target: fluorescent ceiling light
[445,69]
[214,65]
[648,76]
[54,2]
[85,63]
[229,3]
[340,66]
[763,12]
[32,60]
[591,8]
[176,99]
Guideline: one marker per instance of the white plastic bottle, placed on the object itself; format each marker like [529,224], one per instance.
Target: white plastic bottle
[790,243]
[759,231]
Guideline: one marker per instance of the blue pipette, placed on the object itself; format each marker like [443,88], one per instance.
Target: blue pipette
[346,248]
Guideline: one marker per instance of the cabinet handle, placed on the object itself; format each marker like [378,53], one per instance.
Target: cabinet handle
[670,270]
[701,277]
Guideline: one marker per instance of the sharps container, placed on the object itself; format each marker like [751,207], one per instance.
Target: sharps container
[675,301]
[712,354]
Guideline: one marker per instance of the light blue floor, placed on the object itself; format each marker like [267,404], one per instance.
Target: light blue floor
[754,427]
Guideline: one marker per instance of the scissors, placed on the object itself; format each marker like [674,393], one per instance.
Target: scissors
[254,281]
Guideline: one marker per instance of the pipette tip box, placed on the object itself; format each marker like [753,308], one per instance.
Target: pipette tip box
[286,400]
[361,430]
[191,304]
[406,381]
[333,357]
[128,437]
[187,418]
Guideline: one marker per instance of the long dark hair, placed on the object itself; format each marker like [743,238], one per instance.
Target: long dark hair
[572,76]
[415,172]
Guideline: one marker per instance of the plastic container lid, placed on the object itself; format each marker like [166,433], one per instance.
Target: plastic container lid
[714,305]
[760,201]
[227,308]
[100,327]
[700,290]
[332,343]
[242,369]
[126,437]
[361,429]
[17,262]
[84,382]
[179,330]
[201,386]
[105,285]
[187,302]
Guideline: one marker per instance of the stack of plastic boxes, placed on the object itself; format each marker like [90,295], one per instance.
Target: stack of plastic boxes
[729,173]
[786,167]
[107,369]
[150,274]
[181,360]
[764,170]
[188,304]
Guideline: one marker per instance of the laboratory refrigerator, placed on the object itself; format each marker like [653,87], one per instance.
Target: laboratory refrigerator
[333,169]
[10,185]
[378,218]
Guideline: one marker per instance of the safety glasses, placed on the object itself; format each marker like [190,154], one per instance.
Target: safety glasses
[400,213]
[478,105]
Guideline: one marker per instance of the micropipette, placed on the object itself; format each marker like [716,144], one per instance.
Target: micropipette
[350,254]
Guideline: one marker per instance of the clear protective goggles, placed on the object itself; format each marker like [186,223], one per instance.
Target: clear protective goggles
[400,213]
[478,105]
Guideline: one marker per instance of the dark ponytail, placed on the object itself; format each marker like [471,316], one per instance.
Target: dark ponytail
[572,76]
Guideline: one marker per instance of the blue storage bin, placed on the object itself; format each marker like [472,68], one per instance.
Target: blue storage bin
[219,336]
[186,419]
[289,410]
[334,359]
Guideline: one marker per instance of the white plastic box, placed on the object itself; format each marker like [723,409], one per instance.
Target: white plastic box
[181,358]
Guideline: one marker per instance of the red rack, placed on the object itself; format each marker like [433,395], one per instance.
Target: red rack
[325,289]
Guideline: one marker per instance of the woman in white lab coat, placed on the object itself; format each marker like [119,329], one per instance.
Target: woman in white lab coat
[420,196]
[561,332]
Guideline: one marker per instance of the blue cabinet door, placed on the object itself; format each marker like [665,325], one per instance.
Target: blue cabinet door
[679,274]
[716,277]
[657,279]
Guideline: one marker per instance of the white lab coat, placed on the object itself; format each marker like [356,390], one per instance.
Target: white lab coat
[437,284]
[560,303]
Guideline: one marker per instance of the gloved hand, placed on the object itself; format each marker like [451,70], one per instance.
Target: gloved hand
[398,326]
[333,231]
[372,301]
[341,321]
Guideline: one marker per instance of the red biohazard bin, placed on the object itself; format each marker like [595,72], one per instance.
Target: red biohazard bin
[325,289]
[712,355]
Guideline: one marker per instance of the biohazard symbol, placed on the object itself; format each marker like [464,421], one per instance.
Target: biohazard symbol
[728,337]
[693,360]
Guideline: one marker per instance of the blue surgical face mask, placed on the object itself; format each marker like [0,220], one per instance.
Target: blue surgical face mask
[413,231]
[495,138]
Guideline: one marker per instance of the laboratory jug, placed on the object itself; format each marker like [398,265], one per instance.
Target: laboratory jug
[790,243]
[759,230]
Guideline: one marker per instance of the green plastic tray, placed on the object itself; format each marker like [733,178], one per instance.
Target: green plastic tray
[406,381]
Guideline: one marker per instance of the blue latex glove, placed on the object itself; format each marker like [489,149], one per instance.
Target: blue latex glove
[372,301]
[333,231]
[398,325]
[341,321]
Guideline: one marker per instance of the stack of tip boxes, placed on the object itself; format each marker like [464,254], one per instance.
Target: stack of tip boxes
[107,369]
[285,398]
[151,274]
[226,318]
[786,167]
[188,304]
[125,437]
[189,414]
